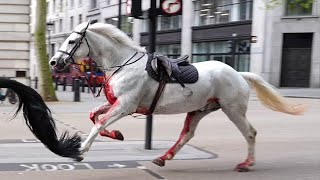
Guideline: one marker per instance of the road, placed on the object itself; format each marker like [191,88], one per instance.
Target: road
[287,147]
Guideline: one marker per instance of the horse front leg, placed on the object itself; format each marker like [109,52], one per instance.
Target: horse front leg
[186,134]
[114,113]
[94,116]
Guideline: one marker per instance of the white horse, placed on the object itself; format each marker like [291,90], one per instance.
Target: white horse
[129,89]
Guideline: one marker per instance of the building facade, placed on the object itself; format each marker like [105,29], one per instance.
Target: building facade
[288,38]
[277,43]
[15,39]
[206,31]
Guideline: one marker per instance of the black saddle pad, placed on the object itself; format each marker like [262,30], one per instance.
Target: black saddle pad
[189,74]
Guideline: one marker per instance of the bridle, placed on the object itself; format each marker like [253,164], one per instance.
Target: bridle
[74,49]
[77,45]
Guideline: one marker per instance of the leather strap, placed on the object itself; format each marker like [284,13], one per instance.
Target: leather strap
[156,97]
[162,84]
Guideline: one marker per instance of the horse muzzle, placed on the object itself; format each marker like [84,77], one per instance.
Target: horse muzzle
[60,64]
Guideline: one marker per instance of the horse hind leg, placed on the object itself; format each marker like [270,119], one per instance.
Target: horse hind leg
[94,114]
[186,134]
[238,117]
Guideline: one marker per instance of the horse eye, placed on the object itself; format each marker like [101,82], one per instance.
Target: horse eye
[72,42]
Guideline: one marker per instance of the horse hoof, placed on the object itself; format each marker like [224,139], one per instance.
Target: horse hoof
[79,158]
[158,161]
[118,135]
[241,168]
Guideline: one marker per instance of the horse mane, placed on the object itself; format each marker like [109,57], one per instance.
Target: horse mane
[116,35]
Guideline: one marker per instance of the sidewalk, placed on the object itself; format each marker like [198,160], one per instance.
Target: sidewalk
[301,92]
[287,92]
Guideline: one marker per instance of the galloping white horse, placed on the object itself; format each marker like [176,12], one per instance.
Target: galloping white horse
[129,89]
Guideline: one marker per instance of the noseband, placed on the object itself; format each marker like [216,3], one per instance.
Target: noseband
[74,49]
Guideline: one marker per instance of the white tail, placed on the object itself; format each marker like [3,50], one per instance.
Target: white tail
[270,97]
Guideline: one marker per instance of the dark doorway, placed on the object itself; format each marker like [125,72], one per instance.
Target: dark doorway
[296,59]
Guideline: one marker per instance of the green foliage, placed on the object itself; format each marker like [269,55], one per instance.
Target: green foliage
[273,3]
[47,89]
[305,4]
[292,4]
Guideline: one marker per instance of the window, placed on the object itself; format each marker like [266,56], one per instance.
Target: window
[113,21]
[163,23]
[299,8]
[53,6]
[166,23]
[171,50]
[222,11]
[71,23]
[52,50]
[93,4]
[80,18]
[94,21]
[71,4]
[61,6]
[239,59]
[126,23]
[60,25]
[52,27]
[20,73]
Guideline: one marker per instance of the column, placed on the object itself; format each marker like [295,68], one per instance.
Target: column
[186,29]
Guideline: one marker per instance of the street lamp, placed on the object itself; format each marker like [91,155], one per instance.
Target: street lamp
[49,28]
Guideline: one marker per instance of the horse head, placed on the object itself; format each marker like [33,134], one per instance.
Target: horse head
[74,47]
[105,43]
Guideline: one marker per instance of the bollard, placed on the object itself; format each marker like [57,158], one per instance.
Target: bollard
[36,83]
[64,83]
[82,83]
[94,84]
[73,78]
[76,90]
[56,81]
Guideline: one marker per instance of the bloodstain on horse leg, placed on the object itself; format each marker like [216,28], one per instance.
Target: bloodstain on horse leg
[244,167]
[213,100]
[109,93]
[172,151]
[142,110]
[115,134]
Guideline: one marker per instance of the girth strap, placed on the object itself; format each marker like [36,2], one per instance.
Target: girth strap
[162,83]
[156,97]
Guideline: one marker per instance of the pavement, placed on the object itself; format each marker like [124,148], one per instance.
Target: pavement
[287,147]
[287,92]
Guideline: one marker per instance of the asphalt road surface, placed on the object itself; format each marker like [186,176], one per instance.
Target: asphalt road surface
[287,147]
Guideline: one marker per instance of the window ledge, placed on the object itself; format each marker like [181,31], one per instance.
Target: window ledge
[93,9]
[300,17]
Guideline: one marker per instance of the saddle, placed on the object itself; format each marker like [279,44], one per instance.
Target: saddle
[179,70]
[167,70]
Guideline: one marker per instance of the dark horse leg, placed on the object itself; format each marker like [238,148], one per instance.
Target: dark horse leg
[187,133]
[94,115]
[40,122]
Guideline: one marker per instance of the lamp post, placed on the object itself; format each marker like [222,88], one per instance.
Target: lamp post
[119,15]
[49,28]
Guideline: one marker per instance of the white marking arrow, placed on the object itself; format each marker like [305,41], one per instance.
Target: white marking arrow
[117,166]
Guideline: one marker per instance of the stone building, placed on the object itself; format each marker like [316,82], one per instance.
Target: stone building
[15,39]
[288,38]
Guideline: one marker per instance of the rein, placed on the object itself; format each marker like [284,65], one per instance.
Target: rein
[113,73]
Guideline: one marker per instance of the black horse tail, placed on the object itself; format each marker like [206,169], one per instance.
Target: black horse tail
[40,121]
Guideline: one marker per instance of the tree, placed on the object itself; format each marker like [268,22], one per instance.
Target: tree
[46,84]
